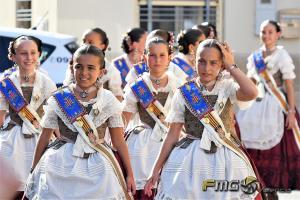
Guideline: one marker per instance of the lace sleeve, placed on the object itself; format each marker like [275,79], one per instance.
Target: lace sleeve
[176,113]
[114,81]
[231,88]
[109,108]
[50,118]
[286,66]
[130,101]
[115,121]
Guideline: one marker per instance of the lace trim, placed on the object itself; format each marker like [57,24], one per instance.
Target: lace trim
[106,107]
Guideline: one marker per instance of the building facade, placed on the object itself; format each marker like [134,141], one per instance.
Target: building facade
[237,21]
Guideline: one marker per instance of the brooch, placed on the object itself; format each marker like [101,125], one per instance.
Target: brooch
[96,112]
[221,105]
[36,98]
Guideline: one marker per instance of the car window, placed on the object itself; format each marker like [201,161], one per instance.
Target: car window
[72,46]
[4,61]
[47,50]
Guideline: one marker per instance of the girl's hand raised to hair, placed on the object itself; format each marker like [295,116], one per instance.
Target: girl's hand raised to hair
[228,58]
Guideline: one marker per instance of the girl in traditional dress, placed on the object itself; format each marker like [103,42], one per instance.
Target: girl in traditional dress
[268,129]
[145,139]
[183,65]
[110,79]
[140,68]
[210,150]
[22,96]
[133,45]
[79,164]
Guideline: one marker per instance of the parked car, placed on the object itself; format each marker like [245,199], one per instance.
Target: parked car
[57,50]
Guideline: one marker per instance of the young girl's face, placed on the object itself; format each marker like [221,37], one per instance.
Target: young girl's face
[26,54]
[140,45]
[94,39]
[268,35]
[199,40]
[209,64]
[158,58]
[87,70]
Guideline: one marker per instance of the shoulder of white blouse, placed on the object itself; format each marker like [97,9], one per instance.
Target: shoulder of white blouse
[174,82]
[51,101]
[46,84]
[284,55]
[224,85]
[108,97]
[110,102]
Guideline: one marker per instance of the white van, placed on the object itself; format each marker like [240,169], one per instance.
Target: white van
[57,50]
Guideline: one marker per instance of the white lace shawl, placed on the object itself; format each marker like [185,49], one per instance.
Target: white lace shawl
[130,100]
[278,60]
[108,108]
[42,88]
[106,103]
[225,88]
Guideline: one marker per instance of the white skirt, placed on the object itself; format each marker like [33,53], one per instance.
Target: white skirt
[18,151]
[143,151]
[60,175]
[262,125]
[186,169]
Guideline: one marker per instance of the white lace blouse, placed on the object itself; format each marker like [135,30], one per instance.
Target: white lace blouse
[42,89]
[225,88]
[105,102]
[130,101]
[278,60]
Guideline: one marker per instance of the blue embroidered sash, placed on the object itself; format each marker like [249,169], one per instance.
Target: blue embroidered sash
[69,104]
[185,67]
[140,68]
[142,92]
[194,99]
[12,95]
[123,69]
[259,61]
